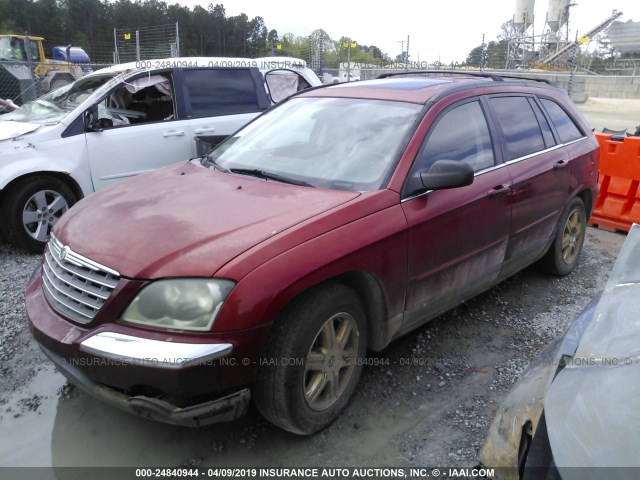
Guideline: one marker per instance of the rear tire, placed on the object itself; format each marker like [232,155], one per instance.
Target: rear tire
[564,253]
[312,360]
[31,208]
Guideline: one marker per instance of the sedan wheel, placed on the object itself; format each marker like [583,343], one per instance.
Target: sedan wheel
[331,361]
[31,208]
[573,236]
[312,361]
[564,253]
[41,212]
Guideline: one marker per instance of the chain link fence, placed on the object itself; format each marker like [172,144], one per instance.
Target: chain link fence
[22,82]
[146,43]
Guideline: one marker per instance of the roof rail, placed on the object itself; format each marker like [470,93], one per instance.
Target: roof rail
[492,76]
[532,79]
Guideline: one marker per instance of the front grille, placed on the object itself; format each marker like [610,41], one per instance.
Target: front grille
[75,286]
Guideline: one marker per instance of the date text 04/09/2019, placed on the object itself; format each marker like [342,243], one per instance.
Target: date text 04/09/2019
[314,472]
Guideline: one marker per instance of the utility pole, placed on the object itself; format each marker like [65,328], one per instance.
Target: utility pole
[320,55]
[483,54]
[405,53]
[348,60]
[407,58]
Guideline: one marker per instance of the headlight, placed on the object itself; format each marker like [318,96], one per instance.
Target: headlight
[186,304]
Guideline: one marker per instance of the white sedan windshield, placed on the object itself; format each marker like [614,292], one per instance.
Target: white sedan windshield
[55,105]
[342,143]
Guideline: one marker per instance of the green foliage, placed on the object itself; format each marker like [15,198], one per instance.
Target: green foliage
[492,56]
[204,32]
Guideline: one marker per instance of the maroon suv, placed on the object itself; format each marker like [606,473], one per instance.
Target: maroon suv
[334,223]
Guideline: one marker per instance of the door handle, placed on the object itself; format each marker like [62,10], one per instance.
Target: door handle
[200,131]
[173,133]
[499,189]
[560,164]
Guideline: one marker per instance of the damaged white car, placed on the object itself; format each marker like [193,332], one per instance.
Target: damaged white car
[575,412]
[125,120]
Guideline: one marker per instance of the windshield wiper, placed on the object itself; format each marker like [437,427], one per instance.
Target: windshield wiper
[254,172]
[207,161]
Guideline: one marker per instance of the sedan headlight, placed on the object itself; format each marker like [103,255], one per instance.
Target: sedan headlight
[186,304]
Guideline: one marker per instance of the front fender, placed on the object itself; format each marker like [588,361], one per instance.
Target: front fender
[375,244]
[23,157]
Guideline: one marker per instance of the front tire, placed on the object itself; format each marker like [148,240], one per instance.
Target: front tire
[564,253]
[312,360]
[31,209]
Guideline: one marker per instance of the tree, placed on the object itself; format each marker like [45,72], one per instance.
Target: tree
[205,32]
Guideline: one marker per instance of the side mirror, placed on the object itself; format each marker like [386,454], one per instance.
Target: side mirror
[92,122]
[445,174]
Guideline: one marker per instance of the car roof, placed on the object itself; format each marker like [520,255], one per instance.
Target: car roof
[188,62]
[417,89]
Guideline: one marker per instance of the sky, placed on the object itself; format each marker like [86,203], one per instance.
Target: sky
[444,31]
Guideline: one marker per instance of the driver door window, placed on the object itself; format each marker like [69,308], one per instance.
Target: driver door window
[145,99]
[461,134]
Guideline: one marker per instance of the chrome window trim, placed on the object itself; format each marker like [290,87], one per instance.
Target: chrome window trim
[574,141]
[153,353]
[535,154]
[510,162]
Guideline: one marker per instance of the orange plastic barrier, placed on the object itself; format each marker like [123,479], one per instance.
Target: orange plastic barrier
[618,203]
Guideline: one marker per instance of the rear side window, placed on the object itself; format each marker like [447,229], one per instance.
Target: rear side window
[220,92]
[544,124]
[565,126]
[461,134]
[520,127]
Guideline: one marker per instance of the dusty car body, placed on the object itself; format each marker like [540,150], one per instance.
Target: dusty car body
[334,223]
[577,403]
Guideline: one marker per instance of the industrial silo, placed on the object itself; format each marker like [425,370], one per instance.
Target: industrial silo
[557,14]
[523,17]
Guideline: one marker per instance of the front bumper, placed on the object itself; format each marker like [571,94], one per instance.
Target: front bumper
[133,350]
[223,409]
[174,377]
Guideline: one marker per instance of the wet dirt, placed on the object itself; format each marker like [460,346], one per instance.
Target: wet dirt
[427,400]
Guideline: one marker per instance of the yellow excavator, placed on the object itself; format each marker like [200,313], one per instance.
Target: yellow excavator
[23,55]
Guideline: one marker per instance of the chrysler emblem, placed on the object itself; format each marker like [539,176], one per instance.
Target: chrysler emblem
[64,252]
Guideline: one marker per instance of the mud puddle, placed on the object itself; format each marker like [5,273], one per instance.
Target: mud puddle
[27,420]
[49,423]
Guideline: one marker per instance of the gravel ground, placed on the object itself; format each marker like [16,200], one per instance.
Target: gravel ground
[15,269]
[427,400]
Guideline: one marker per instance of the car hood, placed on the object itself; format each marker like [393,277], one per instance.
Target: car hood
[186,220]
[593,405]
[10,129]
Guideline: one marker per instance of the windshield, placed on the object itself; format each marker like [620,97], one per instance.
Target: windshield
[12,48]
[340,143]
[54,106]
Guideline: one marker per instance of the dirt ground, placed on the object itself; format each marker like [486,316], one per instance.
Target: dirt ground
[428,401]
[613,113]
